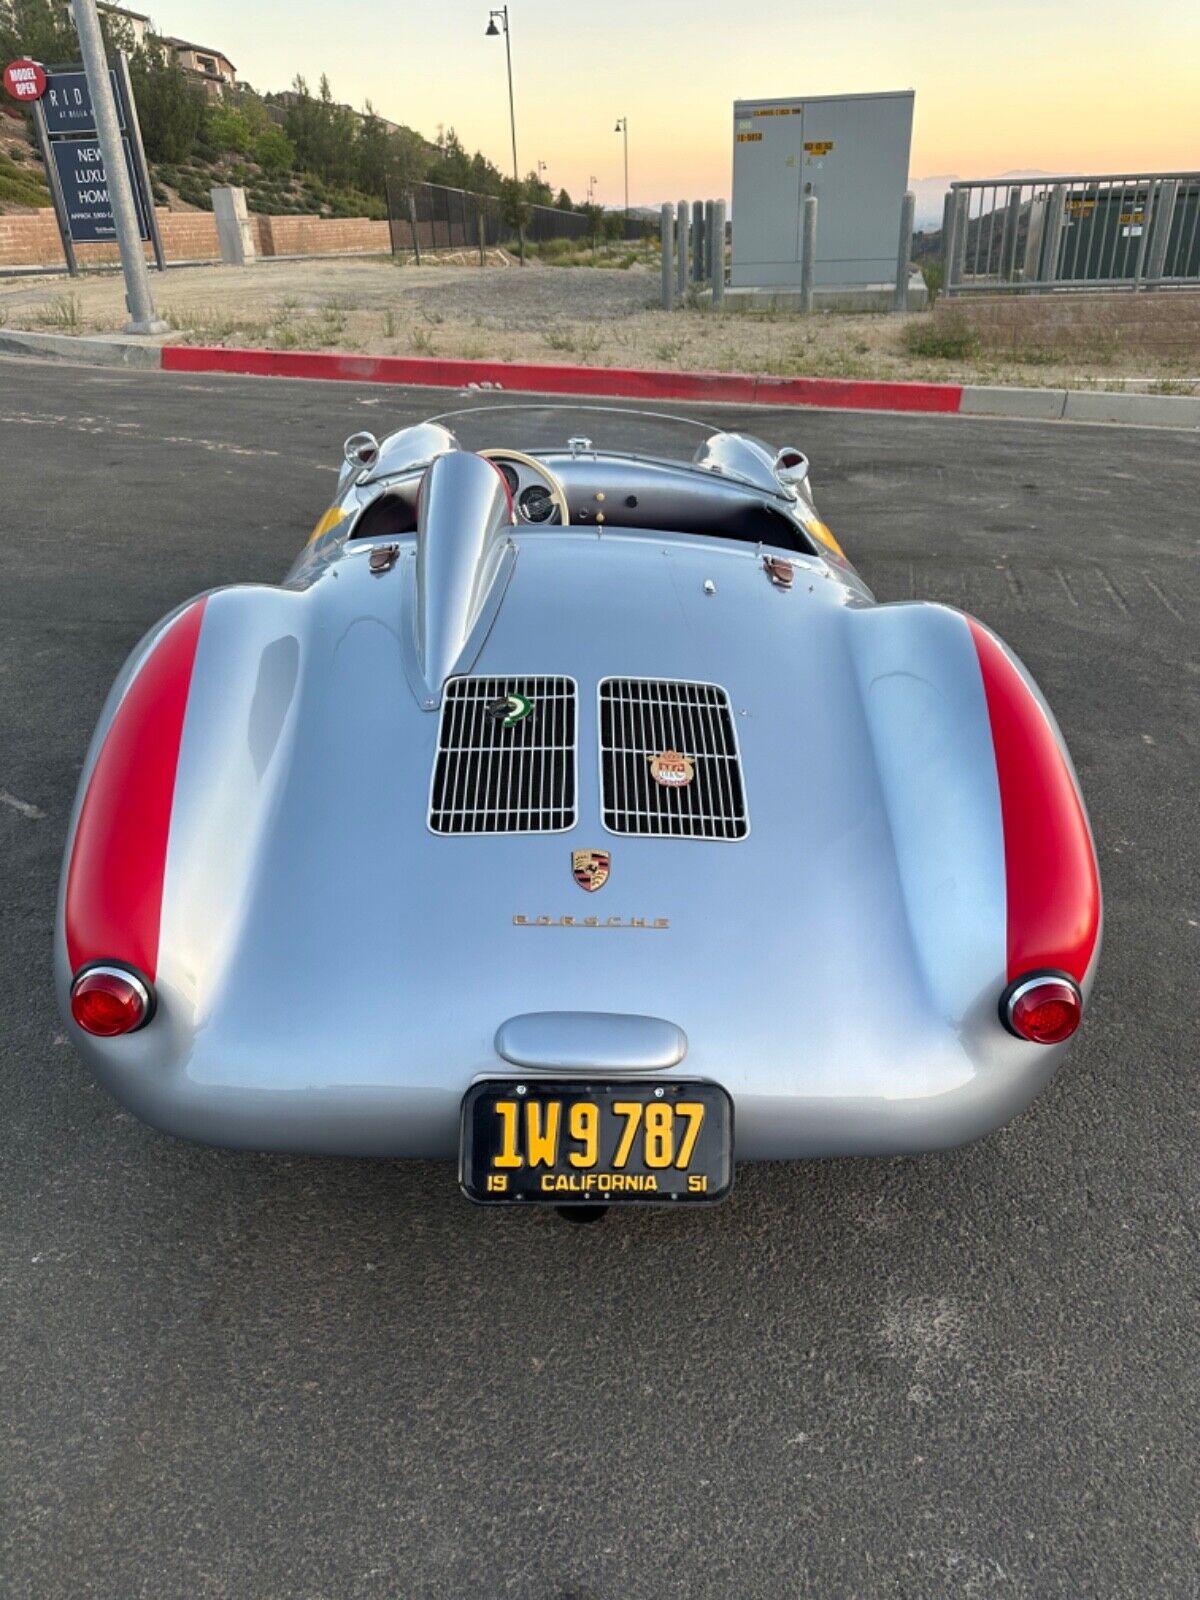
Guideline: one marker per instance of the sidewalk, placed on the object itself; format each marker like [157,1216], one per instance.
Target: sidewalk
[701,388]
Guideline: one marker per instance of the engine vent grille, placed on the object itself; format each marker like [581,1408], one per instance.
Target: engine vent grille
[642,719]
[491,779]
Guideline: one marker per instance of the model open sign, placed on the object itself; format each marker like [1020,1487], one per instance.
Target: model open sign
[84,182]
[25,80]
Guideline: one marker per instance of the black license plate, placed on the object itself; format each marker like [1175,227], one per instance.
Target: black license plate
[596,1143]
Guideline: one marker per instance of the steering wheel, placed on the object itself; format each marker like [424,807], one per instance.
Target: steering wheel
[558,494]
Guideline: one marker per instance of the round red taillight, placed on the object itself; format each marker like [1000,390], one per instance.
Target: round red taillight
[109,1001]
[1045,1008]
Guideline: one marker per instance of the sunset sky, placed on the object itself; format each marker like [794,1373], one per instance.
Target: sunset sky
[1056,85]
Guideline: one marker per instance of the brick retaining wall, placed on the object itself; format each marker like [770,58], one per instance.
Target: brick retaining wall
[319,236]
[32,240]
[1163,322]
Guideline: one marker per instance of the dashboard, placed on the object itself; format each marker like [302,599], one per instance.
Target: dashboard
[611,490]
[532,501]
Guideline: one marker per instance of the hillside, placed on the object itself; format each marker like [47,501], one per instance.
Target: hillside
[22,180]
[185,186]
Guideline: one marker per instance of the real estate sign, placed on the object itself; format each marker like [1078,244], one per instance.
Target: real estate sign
[84,186]
[67,101]
[65,124]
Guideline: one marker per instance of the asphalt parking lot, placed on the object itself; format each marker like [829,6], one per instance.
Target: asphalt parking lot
[973,1374]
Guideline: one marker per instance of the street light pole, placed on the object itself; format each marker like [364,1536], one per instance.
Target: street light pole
[120,192]
[623,127]
[492,31]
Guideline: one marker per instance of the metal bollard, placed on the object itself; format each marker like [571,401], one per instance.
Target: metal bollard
[1010,235]
[808,261]
[718,255]
[668,247]
[954,244]
[908,211]
[1158,224]
[697,241]
[949,223]
[681,248]
[709,214]
[1052,237]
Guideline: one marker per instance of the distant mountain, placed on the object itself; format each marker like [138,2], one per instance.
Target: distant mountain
[931,192]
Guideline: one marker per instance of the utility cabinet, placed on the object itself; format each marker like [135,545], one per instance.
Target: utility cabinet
[851,151]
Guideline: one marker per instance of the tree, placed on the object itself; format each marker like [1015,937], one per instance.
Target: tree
[37,28]
[324,133]
[371,153]
[273,150]
[595,222]
[514,204]
[408,160]
[485,177]
[539,193]
[452,165]
[564,201]
[226,129]
[170,110]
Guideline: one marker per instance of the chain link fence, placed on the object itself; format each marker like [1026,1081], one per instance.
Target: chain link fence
[429,216]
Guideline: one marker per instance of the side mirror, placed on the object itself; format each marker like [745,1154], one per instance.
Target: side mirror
[791,467]
[361,450]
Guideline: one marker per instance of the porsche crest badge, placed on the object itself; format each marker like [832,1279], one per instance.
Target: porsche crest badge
[590,868]
[672,770]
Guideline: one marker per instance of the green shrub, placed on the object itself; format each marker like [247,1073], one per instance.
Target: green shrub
[947,338]
[226,129]
[22,189]
[273,150]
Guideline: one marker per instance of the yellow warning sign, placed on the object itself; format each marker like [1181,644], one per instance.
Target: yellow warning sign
[1129,217]
[779,111]
[818,147]
[749,138]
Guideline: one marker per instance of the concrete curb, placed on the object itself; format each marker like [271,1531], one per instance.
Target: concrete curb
[113,350]
[980,400]
[1147,410]
[631,383]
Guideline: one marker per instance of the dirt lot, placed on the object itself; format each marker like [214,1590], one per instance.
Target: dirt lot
[551,314]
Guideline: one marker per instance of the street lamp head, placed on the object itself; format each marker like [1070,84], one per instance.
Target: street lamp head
[620,125]
[493,32]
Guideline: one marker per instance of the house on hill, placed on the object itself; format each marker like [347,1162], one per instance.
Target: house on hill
[135,23]
[210,69]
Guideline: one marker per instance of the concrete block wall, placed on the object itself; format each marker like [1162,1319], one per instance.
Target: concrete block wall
[32,239]
[319,236]
[1163,322]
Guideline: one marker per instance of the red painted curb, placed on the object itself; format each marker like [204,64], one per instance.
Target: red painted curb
[625,382]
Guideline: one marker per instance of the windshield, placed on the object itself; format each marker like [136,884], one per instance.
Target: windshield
[491,423]
[546,425]
[574,464]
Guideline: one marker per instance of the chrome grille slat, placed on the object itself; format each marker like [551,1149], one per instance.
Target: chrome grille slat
[491,779]
[643,717]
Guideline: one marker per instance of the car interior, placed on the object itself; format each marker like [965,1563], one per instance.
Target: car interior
[666,499]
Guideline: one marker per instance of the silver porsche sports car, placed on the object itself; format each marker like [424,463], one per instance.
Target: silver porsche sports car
[579,814]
